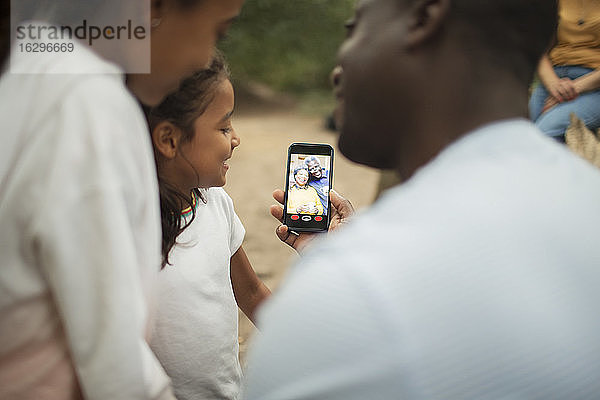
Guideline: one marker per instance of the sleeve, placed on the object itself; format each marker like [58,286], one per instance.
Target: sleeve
[237,230]
[97,243]
[321,338]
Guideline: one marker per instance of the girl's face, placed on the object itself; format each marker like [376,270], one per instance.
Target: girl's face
[182,42]
[301,177]
[212,145]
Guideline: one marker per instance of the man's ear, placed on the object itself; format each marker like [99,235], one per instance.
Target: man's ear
[165,139]
[428,17]
[157,9]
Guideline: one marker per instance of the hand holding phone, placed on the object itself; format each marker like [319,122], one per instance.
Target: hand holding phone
[340,213]
[309,174]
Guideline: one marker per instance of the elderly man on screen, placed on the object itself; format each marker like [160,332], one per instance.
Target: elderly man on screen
[318,179]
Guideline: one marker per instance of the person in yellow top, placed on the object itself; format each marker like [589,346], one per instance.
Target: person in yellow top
[302,198]
[570,71]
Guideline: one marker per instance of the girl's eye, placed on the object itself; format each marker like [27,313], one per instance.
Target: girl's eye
[226,130]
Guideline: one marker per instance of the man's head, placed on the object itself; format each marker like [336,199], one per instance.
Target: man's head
[314,167]
[411,65]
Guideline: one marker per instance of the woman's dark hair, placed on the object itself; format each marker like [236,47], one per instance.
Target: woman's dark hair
[182,108]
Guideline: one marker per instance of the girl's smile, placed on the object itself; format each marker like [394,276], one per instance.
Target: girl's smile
[203,160]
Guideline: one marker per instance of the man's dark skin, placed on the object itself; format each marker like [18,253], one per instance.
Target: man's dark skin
[315,169]
[416,75]
[409,85]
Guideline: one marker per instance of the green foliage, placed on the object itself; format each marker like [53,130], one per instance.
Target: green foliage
[288,44]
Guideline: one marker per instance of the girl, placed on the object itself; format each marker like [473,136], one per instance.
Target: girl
[206,273]
[79,257]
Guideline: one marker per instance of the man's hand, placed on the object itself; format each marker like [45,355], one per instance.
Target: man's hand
[341,212]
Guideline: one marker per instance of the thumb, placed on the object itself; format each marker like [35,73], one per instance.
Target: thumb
[341,204]
[282,232]
[287,236]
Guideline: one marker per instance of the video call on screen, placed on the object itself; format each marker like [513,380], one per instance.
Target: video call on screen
[308,194]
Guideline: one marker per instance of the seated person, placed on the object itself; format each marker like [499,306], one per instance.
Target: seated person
[570,72]
[302,198]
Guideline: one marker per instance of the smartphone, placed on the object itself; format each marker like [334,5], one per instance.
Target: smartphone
[309,176]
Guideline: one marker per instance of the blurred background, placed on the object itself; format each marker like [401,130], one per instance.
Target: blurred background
[281,54]
[288,46]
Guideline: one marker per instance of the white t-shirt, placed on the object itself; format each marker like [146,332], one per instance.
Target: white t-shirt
[80,237]
[476,279]
[196,330]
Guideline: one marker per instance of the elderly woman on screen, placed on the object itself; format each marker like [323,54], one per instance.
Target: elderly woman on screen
[302,198]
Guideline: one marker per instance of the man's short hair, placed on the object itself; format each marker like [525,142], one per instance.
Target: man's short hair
[510,33]
[311,158]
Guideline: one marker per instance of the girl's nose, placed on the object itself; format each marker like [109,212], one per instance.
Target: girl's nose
[235,140]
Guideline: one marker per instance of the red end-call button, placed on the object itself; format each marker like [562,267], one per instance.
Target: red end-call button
[295,217]
[318,219]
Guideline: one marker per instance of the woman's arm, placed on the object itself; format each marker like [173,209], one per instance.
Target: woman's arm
[248,289]
[585,83]
[546,72]
[561,89]
[588,82]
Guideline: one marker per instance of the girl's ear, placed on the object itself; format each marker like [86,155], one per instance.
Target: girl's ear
[166,138]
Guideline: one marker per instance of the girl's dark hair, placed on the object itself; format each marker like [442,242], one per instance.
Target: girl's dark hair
[182,108]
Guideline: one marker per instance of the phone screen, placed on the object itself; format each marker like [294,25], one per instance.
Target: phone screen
[308,181]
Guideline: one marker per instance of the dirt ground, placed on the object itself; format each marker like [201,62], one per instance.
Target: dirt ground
[258,167]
